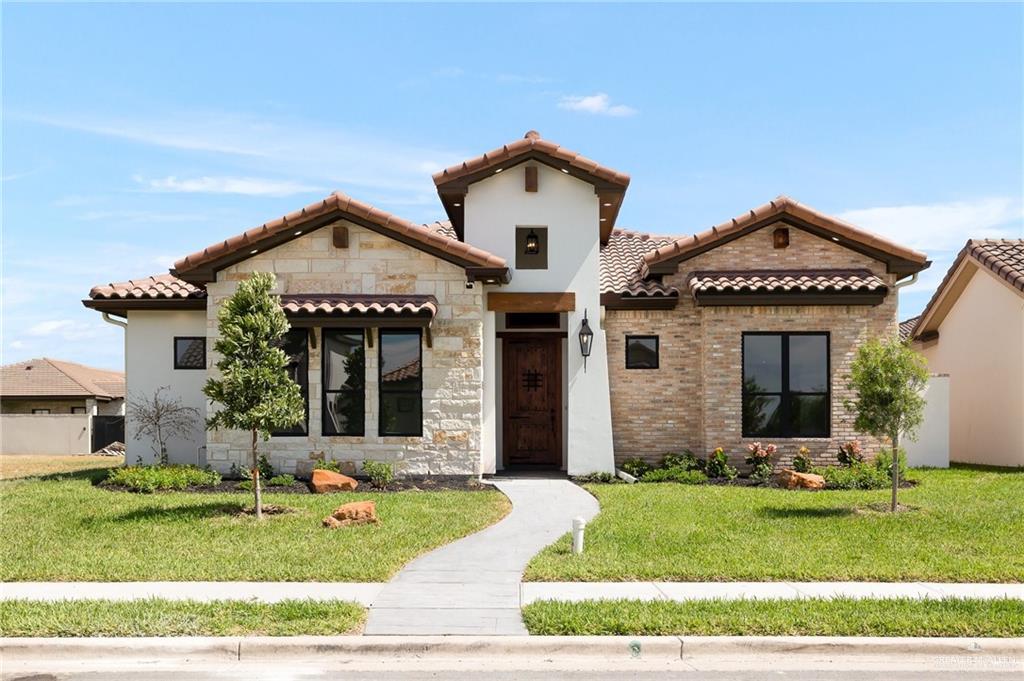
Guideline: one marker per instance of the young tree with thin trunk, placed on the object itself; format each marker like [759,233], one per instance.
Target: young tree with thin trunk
[888,378]
[160,417]
[254,392]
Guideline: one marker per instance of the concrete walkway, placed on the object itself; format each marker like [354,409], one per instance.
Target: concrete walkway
[471,586]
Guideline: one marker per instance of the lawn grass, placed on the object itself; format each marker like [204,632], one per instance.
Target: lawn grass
[160,617]
[68,530]
[29,465]
[968,527]
[809,617]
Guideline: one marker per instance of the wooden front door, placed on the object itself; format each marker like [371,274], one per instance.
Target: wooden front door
[532,407]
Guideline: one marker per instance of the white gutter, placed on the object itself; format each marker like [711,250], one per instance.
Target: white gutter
[124,325]
[906,282]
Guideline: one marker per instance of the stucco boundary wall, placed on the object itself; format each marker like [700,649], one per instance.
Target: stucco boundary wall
[56,434]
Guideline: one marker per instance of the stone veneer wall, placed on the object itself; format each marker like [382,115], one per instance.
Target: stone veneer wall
[694,400]
[452,368]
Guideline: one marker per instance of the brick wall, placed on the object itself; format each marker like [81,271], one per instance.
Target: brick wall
[694,400]
[452,368]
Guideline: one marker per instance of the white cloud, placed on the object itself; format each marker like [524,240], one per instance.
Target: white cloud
[48,327]
[248,186]
[941,226]
[599,104]
[18,345]
[322,156]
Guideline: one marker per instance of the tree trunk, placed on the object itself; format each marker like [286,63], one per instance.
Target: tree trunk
[895,471]
[255,477]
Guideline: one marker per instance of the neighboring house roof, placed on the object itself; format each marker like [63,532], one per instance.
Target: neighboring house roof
[907,327]
[621,257]
[899,259]
[326,304]
[201,266]
[857,286]
[410,370]
[1002,258]
[609,184]
[50,378]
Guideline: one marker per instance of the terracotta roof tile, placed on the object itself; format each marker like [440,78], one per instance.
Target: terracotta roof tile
[410,370]
[784,281]
[46,377]
[156,287]
[688,246]
[621,257]
[325,304]
[1003,257]
[435,238]
[907,327]
[531,142]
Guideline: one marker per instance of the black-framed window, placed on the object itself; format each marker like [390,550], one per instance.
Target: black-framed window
[189,352]
[77,410]
[641,352]
[343,373]
[786,384]
[295,344]
[40,411]
[401,382]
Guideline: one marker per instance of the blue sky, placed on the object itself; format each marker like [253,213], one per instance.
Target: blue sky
[135,134]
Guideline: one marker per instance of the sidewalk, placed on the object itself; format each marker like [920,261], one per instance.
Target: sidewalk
[367,593]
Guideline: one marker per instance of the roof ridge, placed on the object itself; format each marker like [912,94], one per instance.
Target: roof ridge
[60,365]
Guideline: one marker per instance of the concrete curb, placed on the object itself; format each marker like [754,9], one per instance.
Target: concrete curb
[337,648]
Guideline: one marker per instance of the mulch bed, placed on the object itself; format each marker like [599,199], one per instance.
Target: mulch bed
[406,484]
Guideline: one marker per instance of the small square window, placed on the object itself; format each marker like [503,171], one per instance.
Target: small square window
[531,248]
[77,410]
[189,352]
[641,352]
[40,411]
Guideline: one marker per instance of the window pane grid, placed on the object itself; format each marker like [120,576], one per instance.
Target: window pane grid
[343,376]
[785,412]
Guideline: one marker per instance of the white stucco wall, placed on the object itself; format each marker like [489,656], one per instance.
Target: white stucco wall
[931,447]
[149,364]
[569,208]
[981,347]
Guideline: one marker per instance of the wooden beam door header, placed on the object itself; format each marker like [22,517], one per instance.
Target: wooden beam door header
[531,302]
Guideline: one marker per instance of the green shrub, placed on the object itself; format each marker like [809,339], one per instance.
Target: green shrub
[603,478]
[802,461]
[717,465]
[635,467]
[677,474]
[263,463]
[883,462]
[281,481]
[379,472]
[687,461]
[857,476]
[327,465]
[152,478]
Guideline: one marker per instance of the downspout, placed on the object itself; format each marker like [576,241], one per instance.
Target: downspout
[907,282]
[896,445]
[124,325]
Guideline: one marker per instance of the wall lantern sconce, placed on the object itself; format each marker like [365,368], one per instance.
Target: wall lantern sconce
[532,243]
[586,340]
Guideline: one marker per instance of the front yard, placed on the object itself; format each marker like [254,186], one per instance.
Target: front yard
[65,529]
[810,617]
[968,527]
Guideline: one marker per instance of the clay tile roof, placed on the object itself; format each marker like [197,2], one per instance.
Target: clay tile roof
[326,304]
[1003,257]
[531,143]
[156,287]
[907,327]
[436,239]
[784,281]
[46,377]
[689,246]
[620,263]
[410,370]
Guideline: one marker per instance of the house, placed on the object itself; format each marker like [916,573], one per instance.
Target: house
[526,330]
[50,406]
[973,330]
